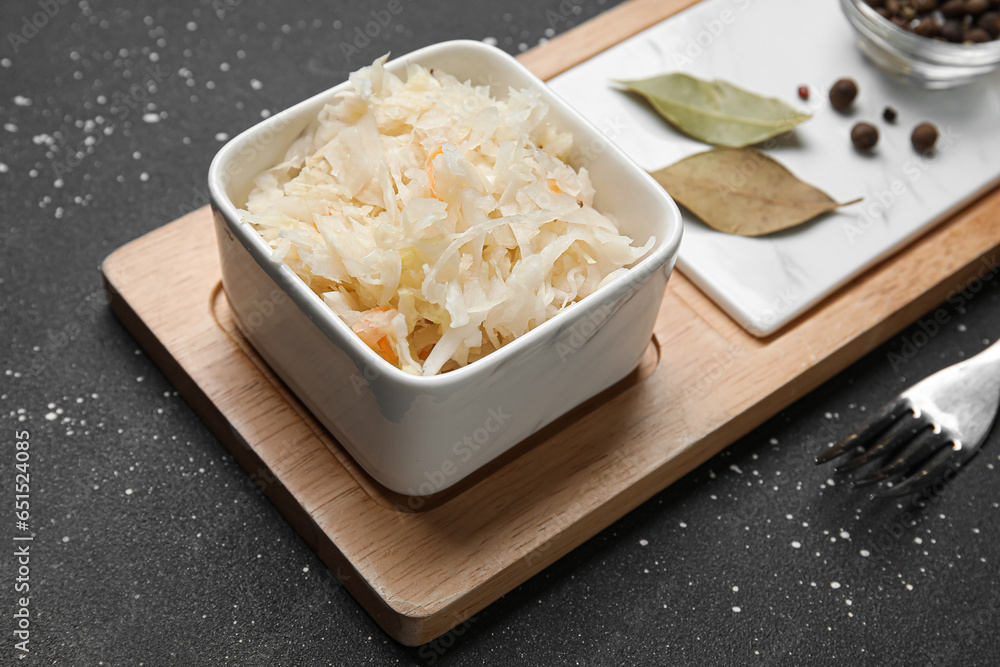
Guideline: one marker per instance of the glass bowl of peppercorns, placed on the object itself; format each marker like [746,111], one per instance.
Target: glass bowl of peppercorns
[929,43]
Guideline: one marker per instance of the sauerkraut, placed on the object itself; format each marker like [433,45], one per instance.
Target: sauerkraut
[438,222]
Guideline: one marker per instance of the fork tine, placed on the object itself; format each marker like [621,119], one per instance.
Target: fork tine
[889,442]
[926,443]
[930,471]
[869,429]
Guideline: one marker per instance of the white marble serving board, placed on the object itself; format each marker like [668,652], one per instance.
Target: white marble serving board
[772,47]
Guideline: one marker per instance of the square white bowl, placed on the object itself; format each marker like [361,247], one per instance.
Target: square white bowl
[420,435]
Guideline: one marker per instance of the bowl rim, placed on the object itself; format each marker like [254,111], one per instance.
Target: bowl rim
[864,18]
[328,322]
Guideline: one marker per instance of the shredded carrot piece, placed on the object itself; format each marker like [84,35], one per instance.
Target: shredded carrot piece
[554,186]
[385,349]
[424,353]
[429,168]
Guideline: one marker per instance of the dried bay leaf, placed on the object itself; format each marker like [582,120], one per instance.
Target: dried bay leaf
[717,112]
[743,191]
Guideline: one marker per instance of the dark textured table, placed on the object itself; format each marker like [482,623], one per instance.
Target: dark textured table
[149,545]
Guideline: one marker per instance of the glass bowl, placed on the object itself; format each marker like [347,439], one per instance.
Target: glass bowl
[921,61]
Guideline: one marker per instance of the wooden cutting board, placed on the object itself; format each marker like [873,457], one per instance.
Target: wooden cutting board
[422,567]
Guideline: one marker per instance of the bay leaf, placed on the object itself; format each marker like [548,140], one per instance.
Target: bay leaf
[717,112]
[743,191]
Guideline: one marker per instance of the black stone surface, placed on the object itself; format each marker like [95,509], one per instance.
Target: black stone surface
[150,546]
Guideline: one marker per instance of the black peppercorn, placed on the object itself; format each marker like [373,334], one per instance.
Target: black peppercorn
[928,27]
[889,115]
[990,22]
[842,94]
[953,31]
[924,137]
[953,9]
[976,36]
[864,136]
[976,7]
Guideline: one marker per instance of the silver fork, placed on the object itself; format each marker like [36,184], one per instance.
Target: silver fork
[931,429]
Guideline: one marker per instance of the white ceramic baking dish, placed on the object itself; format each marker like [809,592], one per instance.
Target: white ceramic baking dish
[419,435]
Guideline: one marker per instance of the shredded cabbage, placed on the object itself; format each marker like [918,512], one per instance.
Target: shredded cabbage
[438,222]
